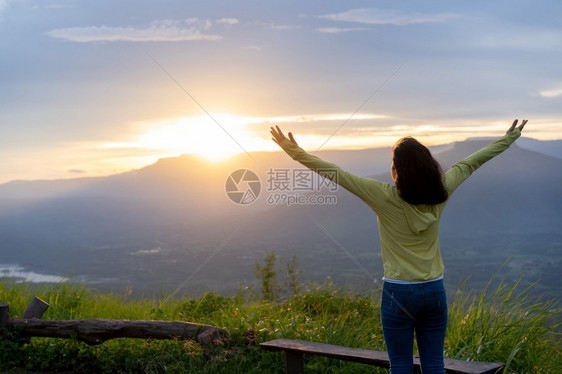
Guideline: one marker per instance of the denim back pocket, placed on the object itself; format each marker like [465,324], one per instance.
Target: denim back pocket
[400,299]
[437,302]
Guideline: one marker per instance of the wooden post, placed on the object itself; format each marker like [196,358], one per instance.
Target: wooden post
[294,363]
[4,317]
[35,309]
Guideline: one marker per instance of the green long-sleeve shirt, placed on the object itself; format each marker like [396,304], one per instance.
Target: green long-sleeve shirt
[409,233]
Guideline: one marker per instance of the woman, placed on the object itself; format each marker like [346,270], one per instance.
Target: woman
[408,215]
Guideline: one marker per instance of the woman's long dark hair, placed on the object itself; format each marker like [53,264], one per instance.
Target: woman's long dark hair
[417,174]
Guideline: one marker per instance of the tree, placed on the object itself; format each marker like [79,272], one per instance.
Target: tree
[292,279]
[267,275]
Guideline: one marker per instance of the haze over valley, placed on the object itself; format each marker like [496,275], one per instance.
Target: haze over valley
[171,228]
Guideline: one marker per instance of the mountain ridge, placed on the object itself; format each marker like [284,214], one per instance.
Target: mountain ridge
[154,226]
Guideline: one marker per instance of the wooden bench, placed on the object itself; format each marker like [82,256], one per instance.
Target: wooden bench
[295,349]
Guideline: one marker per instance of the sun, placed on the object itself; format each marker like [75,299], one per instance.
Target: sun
[214,138]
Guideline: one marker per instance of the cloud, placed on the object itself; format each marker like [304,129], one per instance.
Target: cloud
[76,171]
[284,27]
[204,24]
[338,30]
[374,16]
[191,29]
[325,117]
[3,5]
[273,26]
[322,124]
[252,47]
[555,92]
[516,37]
[50,6]
[228,21]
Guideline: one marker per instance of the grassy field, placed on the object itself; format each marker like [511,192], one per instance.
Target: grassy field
[496,325]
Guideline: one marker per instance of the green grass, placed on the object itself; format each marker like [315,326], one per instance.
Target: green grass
[493,325]
[503,325]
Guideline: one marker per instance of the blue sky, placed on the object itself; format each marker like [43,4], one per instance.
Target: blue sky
[98,87]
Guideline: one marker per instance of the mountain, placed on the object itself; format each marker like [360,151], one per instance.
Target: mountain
[171,226]
[548,147]
[511,208]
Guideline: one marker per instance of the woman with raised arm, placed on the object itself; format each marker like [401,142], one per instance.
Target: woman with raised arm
[408,215]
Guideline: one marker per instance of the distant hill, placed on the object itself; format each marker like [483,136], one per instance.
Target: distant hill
[171,224]
[510,207]
[548,147]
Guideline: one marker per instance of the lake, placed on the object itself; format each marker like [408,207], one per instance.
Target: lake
[20,274]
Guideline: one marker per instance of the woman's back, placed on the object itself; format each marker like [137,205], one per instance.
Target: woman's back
[409,233]
[410,239]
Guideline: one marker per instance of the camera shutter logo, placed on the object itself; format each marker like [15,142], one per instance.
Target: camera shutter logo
[243,186]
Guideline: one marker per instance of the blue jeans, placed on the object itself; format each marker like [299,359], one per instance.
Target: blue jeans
[414,307]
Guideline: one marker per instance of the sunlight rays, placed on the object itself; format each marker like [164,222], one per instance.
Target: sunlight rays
[198,135]
[202,136]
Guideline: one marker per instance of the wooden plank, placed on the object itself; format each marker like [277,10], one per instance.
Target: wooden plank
[375,358]
[365,356]
[35,309]
[471,367]
[96,331]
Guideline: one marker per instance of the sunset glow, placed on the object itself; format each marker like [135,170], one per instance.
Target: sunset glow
[218,137]
[199,135]
[120,92]
[214,138]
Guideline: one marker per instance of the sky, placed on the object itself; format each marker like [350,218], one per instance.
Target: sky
[99,87]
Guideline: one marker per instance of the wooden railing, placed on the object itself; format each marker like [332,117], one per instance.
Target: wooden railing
[96,331]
